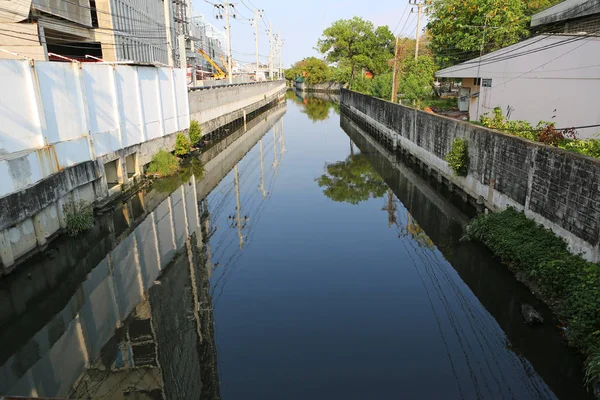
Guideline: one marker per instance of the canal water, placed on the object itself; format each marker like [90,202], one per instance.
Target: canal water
[301,261]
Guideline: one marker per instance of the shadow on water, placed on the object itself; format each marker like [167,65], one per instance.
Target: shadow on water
[441,218]
[125,309]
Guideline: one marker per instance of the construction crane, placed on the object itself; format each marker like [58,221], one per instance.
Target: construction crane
[224,62]
[217,75]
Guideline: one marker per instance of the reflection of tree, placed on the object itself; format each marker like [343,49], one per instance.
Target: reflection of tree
[352,181]
[417,233]
[316,109]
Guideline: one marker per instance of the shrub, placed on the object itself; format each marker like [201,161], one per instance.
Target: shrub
[458,157]
[592,365]
[79,216]
[182,145]
[163,164]
[571,284]
[195,132]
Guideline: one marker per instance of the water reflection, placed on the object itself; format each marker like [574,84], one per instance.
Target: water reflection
[485,361]
[352,181]
[126,309]
[316,106]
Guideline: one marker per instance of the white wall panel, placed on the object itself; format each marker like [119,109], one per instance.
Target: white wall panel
[61,97]
[150,95]
[72,152]
[19,120]
[181,98]
[101,98]
[129,105]
[167,94]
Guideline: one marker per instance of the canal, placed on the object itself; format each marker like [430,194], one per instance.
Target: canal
[303,260]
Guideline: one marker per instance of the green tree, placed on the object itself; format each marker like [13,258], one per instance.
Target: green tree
[352,181]
[456,27]
[417,79]
[312,69]
[382,86]
[358,44]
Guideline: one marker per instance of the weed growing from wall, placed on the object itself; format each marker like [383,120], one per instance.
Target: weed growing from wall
[163,164]
[182,145]
[79,216]
[195,132]
[458,157]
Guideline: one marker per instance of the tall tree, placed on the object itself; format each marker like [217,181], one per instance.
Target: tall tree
[457,27]
[359,44]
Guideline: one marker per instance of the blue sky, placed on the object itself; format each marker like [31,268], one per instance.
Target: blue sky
[301,23]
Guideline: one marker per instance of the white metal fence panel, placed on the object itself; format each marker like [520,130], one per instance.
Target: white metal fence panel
[19,119]
[101,97]
[167,94]
[62,101]
[181,96]
[150,96]
[130,108]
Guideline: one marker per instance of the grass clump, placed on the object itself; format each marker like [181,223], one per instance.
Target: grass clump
[163,164]
[182,145]
[458,157]
[195,132]
[79,216]
[566,281]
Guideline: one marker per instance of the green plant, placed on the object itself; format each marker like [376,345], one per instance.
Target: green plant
[79,216]
[458,157]
[182,145]
[163,164]
[592,365]
[195,132]
[566,281]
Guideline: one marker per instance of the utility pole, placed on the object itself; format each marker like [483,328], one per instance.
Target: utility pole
[270,51]
[420,10]
[262,171]
[391,208]
[228,29]
[237,221]
[256,16]
[395,76]
[479,65]
[275,161]
[280,56]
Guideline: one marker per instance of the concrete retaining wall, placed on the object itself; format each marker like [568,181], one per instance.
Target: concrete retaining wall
[217,106]
[558,189]
[328,87]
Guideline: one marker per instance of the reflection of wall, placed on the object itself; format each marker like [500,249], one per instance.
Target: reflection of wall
[108,296]
[439,219]
[556,188]
[88,297]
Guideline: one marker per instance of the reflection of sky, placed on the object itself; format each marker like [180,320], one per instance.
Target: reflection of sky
[327,299]
[52,360]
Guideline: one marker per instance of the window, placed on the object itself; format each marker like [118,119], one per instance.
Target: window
[131,164]
[487,83]
[111,172]
[476,81]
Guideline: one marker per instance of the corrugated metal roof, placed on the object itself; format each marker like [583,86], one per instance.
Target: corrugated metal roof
[543,56]
[14,11]
[566,10]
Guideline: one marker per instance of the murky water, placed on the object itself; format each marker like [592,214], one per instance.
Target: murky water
[305,262]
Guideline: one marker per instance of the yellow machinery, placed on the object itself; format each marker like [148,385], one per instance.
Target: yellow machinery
[217,75]
[224,63]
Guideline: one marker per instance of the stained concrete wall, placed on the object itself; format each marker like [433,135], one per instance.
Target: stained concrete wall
[319,87]
[558,189]
[216,106]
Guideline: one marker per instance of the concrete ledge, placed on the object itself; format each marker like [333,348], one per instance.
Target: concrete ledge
[558,189]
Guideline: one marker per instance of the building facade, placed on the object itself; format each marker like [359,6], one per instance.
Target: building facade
[549,77]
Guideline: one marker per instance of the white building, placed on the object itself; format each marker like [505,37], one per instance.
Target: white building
[550,77]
